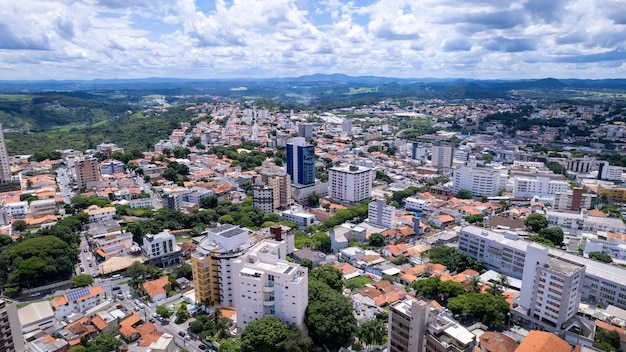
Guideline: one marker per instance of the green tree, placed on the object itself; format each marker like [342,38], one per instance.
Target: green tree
[19,225]
[329,315]
[472,219]
[82,280]
[377,240]
[209,202]
[323,241]
[183,270]
[536,222]
[454,260]
[136,270]
[295,341]
[164,311]
[556,167]
[196,327]
[552,234]
[306,262]
[490,309]
[608,341]
[463,194]
[263,335]
[329,275]
[77,348]
[230,345]
[372,332]
[603,257]
[104,343]
[313,200]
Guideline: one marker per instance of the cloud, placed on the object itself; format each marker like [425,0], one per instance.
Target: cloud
[457,44]
[613,55]
[546,10]
[23,41]
[488,20]
[511,45]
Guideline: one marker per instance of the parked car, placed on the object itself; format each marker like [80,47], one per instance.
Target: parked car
[120,296]
[181,333]
[115,288]
[202,347]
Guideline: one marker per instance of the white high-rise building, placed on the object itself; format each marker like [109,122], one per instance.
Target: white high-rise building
[5,167]
[381,214]
[408,320]
[610,172]
[551,288]
[350,183]
[266,284]
[442,154]
[10,328]
[541,186]
[481,181]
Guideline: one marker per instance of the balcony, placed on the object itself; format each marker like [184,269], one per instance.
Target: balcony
[268,289]
[268,303]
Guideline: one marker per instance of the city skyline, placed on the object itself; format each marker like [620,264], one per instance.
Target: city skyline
[482,39]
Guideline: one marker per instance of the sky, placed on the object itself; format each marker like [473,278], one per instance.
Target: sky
[483,39]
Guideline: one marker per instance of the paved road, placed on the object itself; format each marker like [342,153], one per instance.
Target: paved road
[64,185]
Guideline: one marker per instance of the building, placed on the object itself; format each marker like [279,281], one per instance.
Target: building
[299,216]
[111,167]
[415,326]
[47,343]
[277,178]
[263,198]
[266,284]
[77,301]
[5,166]
[481,181]
[442,154]
[96,213]
[610,172]
[419,151]
[579,222]
[350,184]
[162,250]
[305,130]
[616,193]
[36,316]
[541,186]
[573,200]
[42,206]
[346,126]
[86,173]
[301,161]
[407,326]
[580,165]
[603,283]
[212,263]
[11,339]
[542,341]
[551,288]
[381,214]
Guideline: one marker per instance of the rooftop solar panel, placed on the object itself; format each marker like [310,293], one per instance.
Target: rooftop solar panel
[72,296]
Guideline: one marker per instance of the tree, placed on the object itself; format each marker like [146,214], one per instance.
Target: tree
[372,332]
[472,219]
[454,260]
[329,315]
[306,262]
[553,234]
[603,257]
[196,327]
[490,309]
[136,270]
[556,167]
[104,343]
[164,311]
[82,280]
[77,348]
[209,202]
[536,222]
[377,240]
[183,270]
[313,200]
[329,275]
[263,335]
[230,345]
[323,241]
[295,341]
[428,288]
[463,194]
[19,225]
[608,341]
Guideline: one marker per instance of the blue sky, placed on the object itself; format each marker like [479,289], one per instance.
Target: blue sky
[487,39]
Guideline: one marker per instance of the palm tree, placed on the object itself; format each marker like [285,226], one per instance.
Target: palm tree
[474,284]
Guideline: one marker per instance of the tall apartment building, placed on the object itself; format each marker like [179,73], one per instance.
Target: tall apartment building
[263,198]
[212,263]
[350,183]
[381,214]
[5,166]
[416,327]
[617,193]
[11,339]
[580,165]
[266,284]
[442,154]
[603,283]
[305,130]
[479,180]
[610,172]
[574,200]
[86,172]
[541,186]
[419,150]
[279,180]
[301,161]
[551,288]
[161,249]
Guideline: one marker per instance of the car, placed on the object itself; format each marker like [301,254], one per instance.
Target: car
[115,288]
[142,306]
[151,320]
[129,296]
[187,338]
[85,250]
[202,347]
[136,309]
[120,297]
[90,265]
[82,270]
[181,334]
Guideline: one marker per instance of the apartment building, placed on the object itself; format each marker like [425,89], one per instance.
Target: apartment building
[77,301]
[603,283]
[479,180]
[302,218]
[266,284]
[87,174]
[350,183]
[381,214]
[301,161]
[577,223]
[279,180]
[212,263]
[11,339]
[161,249]
[5,166]
[542,186]
[610,172]
[574,200]
[616,193]
[581,165]
[551,288]
[263,198]
[442,154]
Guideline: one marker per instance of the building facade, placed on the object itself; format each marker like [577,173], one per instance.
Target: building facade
[279,180]
[610,172]
[407,326]
[350,183]
[442,154]
[263,198]
[301,161]
[573,200]
[86,172]
[266,284]
[381,214]
[161,249]
[538,186]
[11,339]
[5,166]
[479,180]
